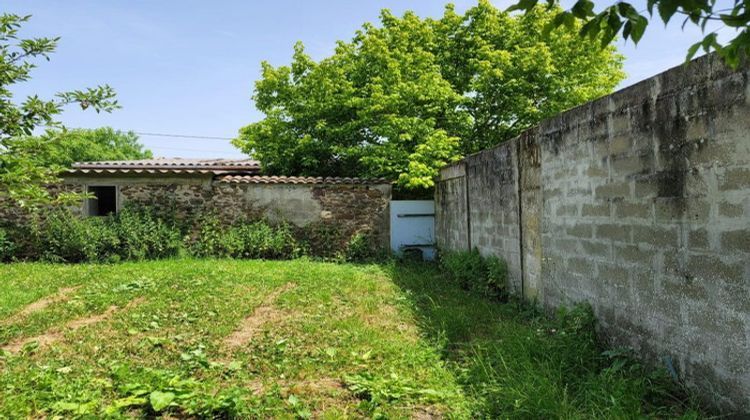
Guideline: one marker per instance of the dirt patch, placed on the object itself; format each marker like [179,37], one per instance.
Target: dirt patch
[61,296]
[263,314]
[54,334]
[317,386]
[425,413]
[256,387]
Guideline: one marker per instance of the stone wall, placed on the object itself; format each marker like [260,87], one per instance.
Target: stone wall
[638,203]
[12,214]
[350,208]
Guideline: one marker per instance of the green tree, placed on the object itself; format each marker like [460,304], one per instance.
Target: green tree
[21,176]
[59,149]
[404,98]
[626,19]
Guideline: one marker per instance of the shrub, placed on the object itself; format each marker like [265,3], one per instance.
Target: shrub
[132,234]
[261,240]
[209,241]
[472,271]
[7,247]
[465,267]
[245,240]
[497,276]
[362,247]
[63,237]
[143,236]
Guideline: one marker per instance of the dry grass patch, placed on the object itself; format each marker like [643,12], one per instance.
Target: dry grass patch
[57,334]
[62,295]
[266,313]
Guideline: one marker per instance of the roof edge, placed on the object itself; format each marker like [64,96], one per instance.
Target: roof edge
[265,179]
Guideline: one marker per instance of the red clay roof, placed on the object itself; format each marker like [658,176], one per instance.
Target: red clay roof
[168,166]
[248,179]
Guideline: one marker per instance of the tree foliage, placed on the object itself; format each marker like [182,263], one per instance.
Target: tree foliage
[61,148]
[625,19]
[21,176]
[411,95]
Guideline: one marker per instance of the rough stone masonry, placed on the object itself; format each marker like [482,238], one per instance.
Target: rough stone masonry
[638,203]
[350,205]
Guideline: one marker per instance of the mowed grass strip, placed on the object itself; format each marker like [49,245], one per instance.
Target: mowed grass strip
[334,340]
[257,339]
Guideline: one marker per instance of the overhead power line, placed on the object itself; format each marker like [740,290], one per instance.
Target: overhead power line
[142,133]
[184,136]
[184,149]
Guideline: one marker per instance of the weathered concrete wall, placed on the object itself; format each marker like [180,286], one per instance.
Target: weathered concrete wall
[639,203]
[529,166]
[450,197]
[492,179]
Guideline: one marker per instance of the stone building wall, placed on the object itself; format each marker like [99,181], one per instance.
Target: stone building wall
[12,214]
[350,208]
[638,203]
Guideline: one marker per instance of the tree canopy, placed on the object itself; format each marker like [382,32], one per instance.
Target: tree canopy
[61,148]
[21,176]
[626,19]
[410,95]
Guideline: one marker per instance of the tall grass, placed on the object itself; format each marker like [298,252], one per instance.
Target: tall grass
[515,362]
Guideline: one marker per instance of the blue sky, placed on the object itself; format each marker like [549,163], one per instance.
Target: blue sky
[188,67]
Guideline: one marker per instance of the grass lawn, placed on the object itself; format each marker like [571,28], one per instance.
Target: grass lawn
[223,338]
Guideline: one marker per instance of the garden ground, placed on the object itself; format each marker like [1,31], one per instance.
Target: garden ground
[225,338]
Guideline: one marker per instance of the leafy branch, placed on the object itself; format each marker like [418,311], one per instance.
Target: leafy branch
[623,18]
[22,178]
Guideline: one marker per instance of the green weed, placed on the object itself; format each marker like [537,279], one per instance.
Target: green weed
[326,340]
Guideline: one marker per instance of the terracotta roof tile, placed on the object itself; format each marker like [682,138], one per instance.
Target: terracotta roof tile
[167,166]
[256,179]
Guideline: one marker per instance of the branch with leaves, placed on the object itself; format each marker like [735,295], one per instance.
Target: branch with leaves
[22,178]
[623,18]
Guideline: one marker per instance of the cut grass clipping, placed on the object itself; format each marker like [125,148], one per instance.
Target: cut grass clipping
[250,339]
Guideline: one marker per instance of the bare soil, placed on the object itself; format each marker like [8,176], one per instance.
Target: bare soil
[62,295]
[264,314]
[55,334]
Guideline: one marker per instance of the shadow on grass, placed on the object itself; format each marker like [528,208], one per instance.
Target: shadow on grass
[514,363]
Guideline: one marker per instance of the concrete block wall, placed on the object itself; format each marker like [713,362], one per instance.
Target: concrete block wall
[492,185]
[639,203]
[452,232]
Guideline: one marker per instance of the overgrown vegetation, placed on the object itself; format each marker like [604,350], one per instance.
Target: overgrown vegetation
[255,239]
[472,271]
[362,248]
[514,362]
[132,234]
[137,234]
[325,340]
[7,247]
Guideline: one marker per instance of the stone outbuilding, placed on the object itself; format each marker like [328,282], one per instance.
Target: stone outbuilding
[233,190]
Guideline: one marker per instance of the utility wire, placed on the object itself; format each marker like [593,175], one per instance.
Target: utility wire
[184,149]
[141,133]
[184,136]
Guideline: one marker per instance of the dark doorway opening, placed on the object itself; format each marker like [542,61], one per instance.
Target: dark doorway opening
[103,202]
